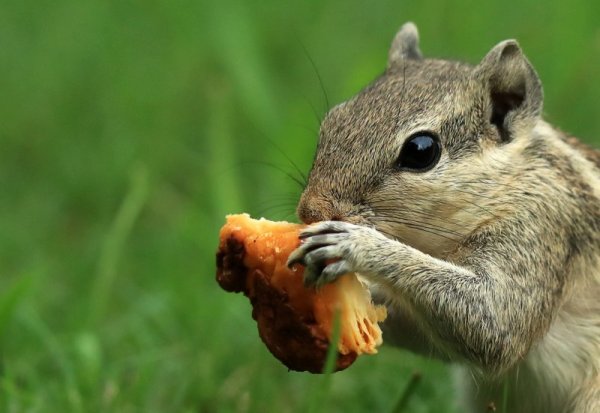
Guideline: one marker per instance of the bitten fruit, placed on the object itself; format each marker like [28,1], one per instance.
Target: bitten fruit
[295,322]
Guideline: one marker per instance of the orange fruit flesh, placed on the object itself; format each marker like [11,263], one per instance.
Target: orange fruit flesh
[268,244]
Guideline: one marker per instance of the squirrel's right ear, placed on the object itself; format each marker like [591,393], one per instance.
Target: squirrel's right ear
[514,88]
[405,45]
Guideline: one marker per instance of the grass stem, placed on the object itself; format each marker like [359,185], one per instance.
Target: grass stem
[409,390]
[323,385]
[114,243]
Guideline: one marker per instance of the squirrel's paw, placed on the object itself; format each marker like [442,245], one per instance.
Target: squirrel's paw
[330,249]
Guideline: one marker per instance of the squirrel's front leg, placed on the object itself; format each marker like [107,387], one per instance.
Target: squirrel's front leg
[332,248]
[482,308]
[353,248]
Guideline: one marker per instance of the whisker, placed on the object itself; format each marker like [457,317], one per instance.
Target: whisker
[316,114]
[477,205]
[291,197]
[487,211]
[303,177]
[274,210]
[418,212]
[427,230]
[278,168]
[414,211]
[268,205]
[415,218]
[440,231]
[316,70]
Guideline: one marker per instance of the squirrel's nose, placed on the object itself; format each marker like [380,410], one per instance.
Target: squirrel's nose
[313,209]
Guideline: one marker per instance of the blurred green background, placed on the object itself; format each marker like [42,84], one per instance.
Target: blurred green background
[128,129]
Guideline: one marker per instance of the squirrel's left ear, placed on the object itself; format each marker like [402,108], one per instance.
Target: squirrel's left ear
[514,88]
[405,45]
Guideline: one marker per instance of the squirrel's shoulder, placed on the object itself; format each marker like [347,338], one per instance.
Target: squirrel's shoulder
[549,142]
[590,153]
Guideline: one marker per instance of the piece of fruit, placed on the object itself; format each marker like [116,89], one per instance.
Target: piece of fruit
[294,321]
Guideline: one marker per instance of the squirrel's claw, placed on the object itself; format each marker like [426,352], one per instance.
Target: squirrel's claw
[332,271]
[311,244]
[322,252]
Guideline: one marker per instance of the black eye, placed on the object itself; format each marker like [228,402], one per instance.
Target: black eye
[420,152]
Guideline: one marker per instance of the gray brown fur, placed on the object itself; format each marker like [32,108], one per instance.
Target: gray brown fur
[492,257]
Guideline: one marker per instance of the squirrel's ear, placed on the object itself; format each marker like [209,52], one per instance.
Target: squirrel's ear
[405,45]
[514,88]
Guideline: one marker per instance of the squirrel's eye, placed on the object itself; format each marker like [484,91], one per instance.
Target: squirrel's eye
[420,152]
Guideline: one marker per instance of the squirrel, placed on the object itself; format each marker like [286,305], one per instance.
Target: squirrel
[475,221]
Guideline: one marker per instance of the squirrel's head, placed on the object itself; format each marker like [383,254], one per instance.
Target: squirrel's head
[419,153]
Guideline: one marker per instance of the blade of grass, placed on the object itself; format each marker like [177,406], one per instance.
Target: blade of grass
[407,393]
[505,396]
[322,386]
[115,242]
[10,299]
[44,334]
[8,304]
[222,153]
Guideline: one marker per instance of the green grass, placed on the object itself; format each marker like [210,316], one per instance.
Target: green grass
[129,129]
